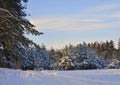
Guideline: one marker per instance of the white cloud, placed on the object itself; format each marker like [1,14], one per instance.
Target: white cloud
[87,21]
[68,23]
[114,15]
[104,7]
[63,23]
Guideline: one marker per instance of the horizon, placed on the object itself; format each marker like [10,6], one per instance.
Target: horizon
[74,22]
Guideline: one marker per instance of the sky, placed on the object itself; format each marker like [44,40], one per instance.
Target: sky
[74,21]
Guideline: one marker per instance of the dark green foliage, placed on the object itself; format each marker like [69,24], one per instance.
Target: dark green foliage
[13,26]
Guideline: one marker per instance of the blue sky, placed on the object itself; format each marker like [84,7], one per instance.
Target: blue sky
[74,21]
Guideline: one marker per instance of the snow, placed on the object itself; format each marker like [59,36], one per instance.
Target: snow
[77,77]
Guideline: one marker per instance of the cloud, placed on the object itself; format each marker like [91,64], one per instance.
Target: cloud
[88,20]
[63,23]
[114,15]
[68,23]
[104,7]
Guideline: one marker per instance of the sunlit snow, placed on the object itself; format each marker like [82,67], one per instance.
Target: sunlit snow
[78,77]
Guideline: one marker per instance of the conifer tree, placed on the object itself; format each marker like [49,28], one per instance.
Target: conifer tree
[13,26]
[119,46]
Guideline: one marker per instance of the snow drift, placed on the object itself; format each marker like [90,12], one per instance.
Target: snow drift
[78,77]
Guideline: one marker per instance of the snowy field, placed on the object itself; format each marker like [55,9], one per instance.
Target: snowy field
[81,77]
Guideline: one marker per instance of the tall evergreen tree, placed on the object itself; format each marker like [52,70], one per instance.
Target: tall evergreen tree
[13,26]
[119,44]
[119,47]
[52,59]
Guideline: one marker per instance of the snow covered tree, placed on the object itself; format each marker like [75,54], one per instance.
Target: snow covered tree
[85,58]
[119,47]
[42,60]
[37,58]
[29,60]
[65,63]
[13,26]
[52,60]
[115,63]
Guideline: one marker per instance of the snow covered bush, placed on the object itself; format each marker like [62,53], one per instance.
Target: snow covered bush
[114,64]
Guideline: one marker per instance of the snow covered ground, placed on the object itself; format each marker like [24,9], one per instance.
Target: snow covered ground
[79,77]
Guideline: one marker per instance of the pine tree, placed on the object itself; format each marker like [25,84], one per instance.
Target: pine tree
[85,58]
[65,63]
[37,58]
[13,26]
[53,60]
[117,50]
[42,59]
[119,46]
